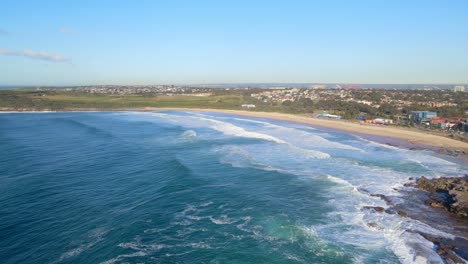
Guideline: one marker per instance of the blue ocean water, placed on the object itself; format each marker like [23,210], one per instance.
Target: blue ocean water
[192,187]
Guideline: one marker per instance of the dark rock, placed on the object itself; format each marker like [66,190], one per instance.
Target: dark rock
[450,193]
[437,200]
[383,197]
[435,204]
[402,214]
[374,225]
[374,208]
[445,249]
[424,183]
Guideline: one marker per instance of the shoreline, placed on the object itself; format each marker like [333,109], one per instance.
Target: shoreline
[414,138]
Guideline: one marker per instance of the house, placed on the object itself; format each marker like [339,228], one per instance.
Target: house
[439,122]
[378,121]
[402,120]
[381,121]
[248,106]
[418,116]
[326,115]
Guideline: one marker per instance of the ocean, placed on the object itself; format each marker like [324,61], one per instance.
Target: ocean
[195,187]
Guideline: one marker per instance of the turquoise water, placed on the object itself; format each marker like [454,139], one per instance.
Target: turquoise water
[190,187]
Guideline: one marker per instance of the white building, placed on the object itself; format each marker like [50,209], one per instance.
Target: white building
[459,88]
[248,106]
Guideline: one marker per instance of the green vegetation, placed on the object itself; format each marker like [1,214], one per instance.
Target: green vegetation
[56,100]
[60,100]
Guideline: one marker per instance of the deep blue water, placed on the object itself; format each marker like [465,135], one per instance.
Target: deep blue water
[188,187]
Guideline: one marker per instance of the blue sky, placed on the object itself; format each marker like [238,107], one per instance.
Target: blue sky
[175,41]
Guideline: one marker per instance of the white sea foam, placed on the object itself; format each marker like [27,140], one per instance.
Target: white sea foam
[292,257]
[409,247]
[198,245]
[288,134]
[242,157]
[206,204]
[437,166]
[309,153]
[299,136]
[267,124]
[194,217]
[188,135]
[124,256]
[297,152]
[237,131]
[93,237]
[223,220]
[73,252]
[130,245]
[232,130]
[224,127]
[350,211]
[312,140]
[155,230]
[413,248]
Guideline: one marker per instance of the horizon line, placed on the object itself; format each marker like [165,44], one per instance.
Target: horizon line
[230,83]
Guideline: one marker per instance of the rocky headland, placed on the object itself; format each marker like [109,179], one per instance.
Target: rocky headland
[441,202]
[449,193]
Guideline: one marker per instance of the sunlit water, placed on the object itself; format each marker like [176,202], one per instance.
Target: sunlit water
[190,187]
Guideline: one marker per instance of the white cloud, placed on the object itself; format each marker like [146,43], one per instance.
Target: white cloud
[35,55]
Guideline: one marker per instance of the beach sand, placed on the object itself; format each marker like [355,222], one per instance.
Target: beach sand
[409,135]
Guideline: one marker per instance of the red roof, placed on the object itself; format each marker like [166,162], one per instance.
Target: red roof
[438,120]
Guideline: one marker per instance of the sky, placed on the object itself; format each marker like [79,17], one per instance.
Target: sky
[201,41]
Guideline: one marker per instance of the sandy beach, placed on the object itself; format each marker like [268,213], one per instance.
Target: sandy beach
[409,135]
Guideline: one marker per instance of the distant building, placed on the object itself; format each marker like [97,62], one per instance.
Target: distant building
[418,116]
[326,115]
[439,122]
[347,86]
[248,106]
[402,120]
[318,86]
[361,118]
[381,121]
[440,104]
[459,88]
